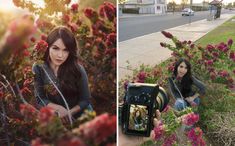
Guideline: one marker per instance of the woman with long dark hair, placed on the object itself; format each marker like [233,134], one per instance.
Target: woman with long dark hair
[181,85]
[61,82]
[138,120]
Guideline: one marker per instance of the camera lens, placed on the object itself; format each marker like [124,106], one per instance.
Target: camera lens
[161,100]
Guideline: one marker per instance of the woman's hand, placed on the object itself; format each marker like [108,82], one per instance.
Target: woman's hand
[190,99]
[62,112]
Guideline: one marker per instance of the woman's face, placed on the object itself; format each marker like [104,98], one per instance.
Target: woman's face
[182,70]
[58,53]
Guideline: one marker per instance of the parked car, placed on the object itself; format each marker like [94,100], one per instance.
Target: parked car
[187,12]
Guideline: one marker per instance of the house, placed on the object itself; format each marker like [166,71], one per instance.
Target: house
[147,6]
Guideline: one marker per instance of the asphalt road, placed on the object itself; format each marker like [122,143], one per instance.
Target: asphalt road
[131,27]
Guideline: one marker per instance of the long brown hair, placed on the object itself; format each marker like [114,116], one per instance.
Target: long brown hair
[69,72]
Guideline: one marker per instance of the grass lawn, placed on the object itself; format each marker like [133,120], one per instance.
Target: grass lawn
[220,34]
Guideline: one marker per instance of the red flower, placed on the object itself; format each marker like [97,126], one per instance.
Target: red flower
[43,37]
[110,10]
[210,48]
[32,39]
[189,42]
[28,111]
[101,12]
[1,94]
[230,42]
[70,141]
[65,18]
[45,115]
[41,46]
[111,40]
[27,82]
[94,130]
[141,77]
[192,46]
[234,71]
[111,52]
[26,53]
[74,7]
[73,27]
[167,34]
[37,142]
[90,13]
[25,91]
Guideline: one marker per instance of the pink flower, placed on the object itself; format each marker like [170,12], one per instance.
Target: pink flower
[210,48]
[209,62]
[223,73]
[232,55]
[167,34]
[195,136]
[41,46]
[158,131]
[230,42]
[215,54]
[169,140]
[74,7]
[141,77]
[190,119]
[99,129]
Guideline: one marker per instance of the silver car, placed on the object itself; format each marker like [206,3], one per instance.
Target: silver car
[187,12]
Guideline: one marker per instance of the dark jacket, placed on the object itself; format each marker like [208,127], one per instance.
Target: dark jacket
[175,87]
[45,92]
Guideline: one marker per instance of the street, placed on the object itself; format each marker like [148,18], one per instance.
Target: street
[132,27]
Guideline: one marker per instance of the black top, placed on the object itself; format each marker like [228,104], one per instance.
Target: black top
[175,87]
[45,91]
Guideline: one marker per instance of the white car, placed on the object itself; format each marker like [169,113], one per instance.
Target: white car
[187,12]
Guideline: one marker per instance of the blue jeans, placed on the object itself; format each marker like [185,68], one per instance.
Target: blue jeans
[181,104]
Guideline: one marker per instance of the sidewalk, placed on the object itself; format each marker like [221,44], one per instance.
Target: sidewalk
[147,50]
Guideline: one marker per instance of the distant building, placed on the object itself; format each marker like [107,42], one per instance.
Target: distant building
[148,6]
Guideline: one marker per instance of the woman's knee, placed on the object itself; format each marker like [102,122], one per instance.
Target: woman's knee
[180,104]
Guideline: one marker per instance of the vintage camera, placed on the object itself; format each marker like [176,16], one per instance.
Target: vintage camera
[140,103]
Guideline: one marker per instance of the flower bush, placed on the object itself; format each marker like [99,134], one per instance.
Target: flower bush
[24,43]
[214,65]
